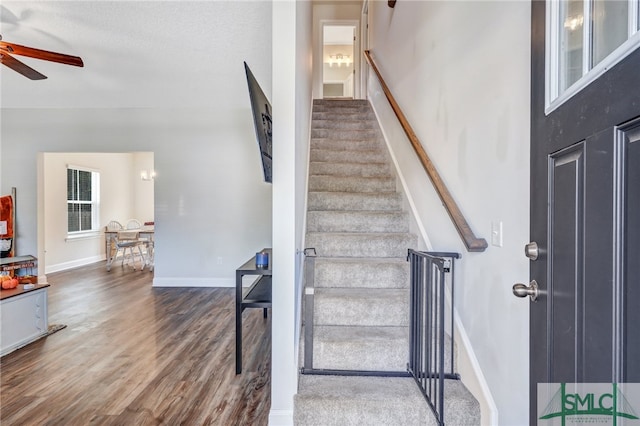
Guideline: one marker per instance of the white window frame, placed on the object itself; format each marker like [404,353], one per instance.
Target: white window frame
[553,99]
[95,203]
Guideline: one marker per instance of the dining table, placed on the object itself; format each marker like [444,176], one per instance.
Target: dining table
[145,232]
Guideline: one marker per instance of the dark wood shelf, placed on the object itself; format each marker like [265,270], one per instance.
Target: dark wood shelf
[257,295]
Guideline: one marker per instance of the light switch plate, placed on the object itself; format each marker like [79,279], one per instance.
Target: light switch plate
[496,234]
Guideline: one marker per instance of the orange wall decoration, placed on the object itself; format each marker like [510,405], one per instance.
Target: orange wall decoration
[6,226]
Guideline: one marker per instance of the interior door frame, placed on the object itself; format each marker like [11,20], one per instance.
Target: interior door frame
[357,53]
[364,45]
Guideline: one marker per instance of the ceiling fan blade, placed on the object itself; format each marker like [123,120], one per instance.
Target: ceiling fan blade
[46,55]
[18,66]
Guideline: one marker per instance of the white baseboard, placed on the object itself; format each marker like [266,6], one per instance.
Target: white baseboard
[193,282]
[49,269]
[281,418]
[471,375]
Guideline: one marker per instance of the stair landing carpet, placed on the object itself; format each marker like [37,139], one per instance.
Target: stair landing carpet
[356,223]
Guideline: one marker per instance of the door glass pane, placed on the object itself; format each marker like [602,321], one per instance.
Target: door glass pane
[571,42]
[610,20]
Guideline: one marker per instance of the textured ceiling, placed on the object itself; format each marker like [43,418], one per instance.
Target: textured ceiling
[136,53]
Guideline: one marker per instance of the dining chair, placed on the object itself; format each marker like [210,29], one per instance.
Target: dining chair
[133,224]
[114,225]
[128,241]
[147,243]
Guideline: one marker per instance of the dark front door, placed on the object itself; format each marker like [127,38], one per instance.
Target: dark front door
[585,196]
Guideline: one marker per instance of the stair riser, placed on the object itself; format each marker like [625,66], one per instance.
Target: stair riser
[354,201]
[357,245]
[343,111]
[350,169]
[334,273]
[371,134]
[342,156]
[360,312]
[329,221]
[338,102]
[388,355]
[337,412]
[354,184]
[352,145]
[346,116]
[337,106]
[344,124]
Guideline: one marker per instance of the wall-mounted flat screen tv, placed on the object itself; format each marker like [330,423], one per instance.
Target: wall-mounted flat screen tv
[262,120]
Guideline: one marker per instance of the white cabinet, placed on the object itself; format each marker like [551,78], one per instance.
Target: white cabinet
[23,317]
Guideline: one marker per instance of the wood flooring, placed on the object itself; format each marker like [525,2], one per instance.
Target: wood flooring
[136,355]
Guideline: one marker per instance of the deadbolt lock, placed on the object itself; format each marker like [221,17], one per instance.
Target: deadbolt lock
[531,250]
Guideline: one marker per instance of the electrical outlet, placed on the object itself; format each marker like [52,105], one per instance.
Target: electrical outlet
[219,260]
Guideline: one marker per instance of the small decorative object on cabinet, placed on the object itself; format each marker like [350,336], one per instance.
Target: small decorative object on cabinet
[24,268]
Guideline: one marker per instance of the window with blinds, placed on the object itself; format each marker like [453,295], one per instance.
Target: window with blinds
[82,200]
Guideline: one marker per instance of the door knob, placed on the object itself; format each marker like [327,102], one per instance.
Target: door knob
[521,290]
[531,250]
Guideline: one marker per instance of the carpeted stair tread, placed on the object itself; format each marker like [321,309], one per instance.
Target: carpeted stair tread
[336,400]
[393,401]
[384,244]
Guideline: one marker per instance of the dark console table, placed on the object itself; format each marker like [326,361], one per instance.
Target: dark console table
[258,295]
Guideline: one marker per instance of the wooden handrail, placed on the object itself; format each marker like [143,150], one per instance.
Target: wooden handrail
[472,242]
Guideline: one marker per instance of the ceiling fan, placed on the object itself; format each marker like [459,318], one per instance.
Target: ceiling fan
[9,49]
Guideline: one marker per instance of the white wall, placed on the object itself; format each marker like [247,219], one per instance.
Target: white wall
[143,200]
[460,72]
[292,62]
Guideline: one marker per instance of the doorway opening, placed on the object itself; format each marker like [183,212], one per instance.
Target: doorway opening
[123,189]
[339,61]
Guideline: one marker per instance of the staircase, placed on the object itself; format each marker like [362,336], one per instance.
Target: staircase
[361,235]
